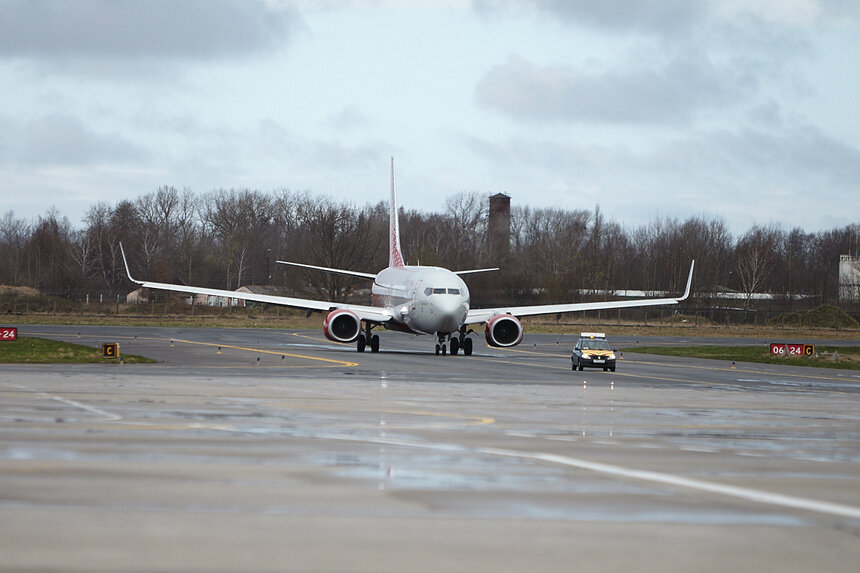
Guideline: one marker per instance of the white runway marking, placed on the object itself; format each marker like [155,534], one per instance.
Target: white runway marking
[92,409]
[754,495]
[108,417]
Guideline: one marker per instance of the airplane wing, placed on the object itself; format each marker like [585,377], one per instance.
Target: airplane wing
[371,313]
[471,271]
[483,315]
[330,270]
[370,275]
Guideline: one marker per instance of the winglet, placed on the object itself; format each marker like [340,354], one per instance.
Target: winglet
[127,272]
[689,282]
[395,257]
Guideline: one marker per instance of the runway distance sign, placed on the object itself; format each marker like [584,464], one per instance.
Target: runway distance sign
[792,349]
[8,333]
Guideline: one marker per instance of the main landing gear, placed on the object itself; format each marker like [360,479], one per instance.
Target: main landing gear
[367,339]
[456,342]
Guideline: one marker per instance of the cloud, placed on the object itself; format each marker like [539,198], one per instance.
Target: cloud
[800,157]
[649,16]
[129,29]
[672,93]
[60,139]
[663,18]
[795,173]
[350,117]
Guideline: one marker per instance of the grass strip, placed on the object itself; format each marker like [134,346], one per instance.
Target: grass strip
[845,357]
[30,350]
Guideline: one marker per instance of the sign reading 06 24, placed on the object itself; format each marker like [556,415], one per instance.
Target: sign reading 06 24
[783,349]
[8,333]
[110,350]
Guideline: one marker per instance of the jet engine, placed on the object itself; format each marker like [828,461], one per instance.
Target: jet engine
[342,326]
[504,330]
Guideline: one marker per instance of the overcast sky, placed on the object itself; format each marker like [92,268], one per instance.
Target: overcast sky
[747,110]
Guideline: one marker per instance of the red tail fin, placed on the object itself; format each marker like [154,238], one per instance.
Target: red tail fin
[395,257]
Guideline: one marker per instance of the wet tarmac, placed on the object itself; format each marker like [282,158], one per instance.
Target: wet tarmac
[270,450]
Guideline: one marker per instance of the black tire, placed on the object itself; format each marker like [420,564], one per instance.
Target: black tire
[362,343]
[374,343]
[467,347]
[444,349]
[437,350]
[455,346]
[580,365]
[612,368]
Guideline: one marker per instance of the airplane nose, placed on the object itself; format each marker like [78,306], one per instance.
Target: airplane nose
[452,313]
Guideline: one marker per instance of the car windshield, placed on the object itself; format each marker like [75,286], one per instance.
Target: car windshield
[595,345]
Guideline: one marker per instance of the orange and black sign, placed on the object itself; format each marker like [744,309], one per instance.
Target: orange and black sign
[110,350]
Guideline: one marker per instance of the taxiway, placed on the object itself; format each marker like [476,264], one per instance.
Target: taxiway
[272,450]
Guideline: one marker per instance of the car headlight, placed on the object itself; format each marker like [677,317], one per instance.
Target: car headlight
[611,357]
[586,355]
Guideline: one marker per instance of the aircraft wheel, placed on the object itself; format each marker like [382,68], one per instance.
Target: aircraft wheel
[455,346]
[374,343]
[467,347]
[437,350]
[444,349]
[362,343]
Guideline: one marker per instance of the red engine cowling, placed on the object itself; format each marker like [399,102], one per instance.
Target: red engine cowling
[342,326]
[504,330]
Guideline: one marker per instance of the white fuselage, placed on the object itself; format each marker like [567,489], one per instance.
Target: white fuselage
[425,300]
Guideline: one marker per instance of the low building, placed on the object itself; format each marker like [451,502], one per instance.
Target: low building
[849,278]
[255,289]
[137,296]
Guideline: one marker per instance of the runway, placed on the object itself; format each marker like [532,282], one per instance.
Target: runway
[273,450]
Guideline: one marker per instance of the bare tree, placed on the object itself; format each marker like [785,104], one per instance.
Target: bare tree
[338,236]
[188,234]
[13,238]
[238,219]
[157,213]
[755,257]
[467,230]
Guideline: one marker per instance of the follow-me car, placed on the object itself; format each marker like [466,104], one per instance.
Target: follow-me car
[594,351]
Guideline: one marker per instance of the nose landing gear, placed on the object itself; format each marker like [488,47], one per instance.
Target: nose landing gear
[456,342]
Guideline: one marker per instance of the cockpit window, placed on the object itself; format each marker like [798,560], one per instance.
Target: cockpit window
[428,291]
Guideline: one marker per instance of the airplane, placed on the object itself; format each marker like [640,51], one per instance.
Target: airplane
[414,299]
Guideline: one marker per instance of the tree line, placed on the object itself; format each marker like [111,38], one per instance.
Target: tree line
[229,238]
